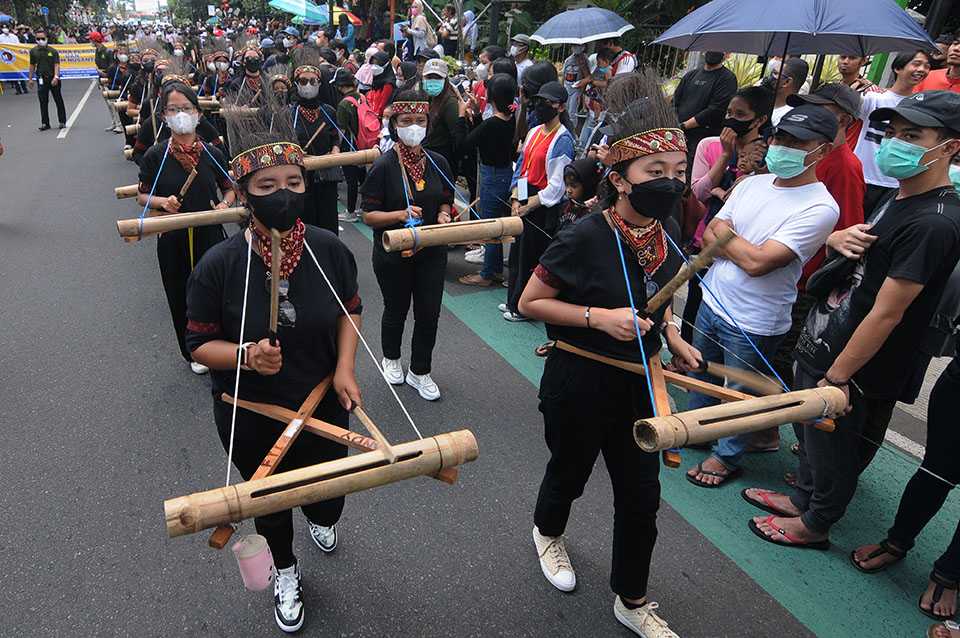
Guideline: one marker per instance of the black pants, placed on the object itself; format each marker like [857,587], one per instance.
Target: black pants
[589,408]
[253,438]
[320,207]
[354,176]
[691,306]
[872,196]
[529,248]
[176,263]
[44,91]
[831,462]
[783,358]
[925,495]
[418,278]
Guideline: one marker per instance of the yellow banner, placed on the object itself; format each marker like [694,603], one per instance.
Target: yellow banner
[76,61]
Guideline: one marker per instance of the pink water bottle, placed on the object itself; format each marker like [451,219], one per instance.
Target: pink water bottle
[255,561]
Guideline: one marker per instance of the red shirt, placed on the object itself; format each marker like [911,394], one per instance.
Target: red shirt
[842,174]
[379,98]
[534,166]
[938,81]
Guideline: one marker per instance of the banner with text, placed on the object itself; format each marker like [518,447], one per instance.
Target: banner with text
[76,61]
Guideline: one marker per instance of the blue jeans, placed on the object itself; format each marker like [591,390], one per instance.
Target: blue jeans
[494,195]
[587,131]
[729,449]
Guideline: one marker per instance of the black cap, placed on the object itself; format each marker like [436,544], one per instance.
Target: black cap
[809,122]
[836,93]
[933,109]
[554,92]
[427,54]
[343,77]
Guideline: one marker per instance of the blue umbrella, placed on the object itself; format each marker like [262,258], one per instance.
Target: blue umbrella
[763,27]
[303,8]
[580,26]
[5,18]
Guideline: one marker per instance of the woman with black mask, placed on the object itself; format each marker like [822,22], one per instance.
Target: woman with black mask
[228,306]
[384,83]
[589,407]
[247,88]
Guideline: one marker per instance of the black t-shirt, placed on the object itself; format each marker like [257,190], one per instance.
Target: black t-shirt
[324,141]
[705,94]
[309,314]
[493,137]
[383,190]
[45,59]
[584,263]
[202,191]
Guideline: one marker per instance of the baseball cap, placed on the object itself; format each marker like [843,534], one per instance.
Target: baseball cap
[933,109]
[809,122]
[427,53]
[266,43]
[553,91]
[521,38]
[292,31]
[836,93]
[342,77]
[437,67]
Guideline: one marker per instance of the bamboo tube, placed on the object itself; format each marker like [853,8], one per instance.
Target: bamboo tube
[209,104]
[453,233]
[133,229]
[128,154]
[352,158]
[186,184]
[133,113]
[120,106]
[111,94]
[104,81]
[689,271]
[202,510]
[764,386]
[125,192]
[306,146]
[275,256]
[131,129]
[372,428]
[752,415]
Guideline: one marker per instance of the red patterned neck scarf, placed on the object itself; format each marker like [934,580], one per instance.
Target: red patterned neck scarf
[647,242]
[252,83]
[188,155]
[308,114]
[291,246]
[415,162]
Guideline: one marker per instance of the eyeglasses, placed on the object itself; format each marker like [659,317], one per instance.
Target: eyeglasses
[305,81]
[173,110]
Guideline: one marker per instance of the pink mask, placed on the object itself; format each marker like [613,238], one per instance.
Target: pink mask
[414,12]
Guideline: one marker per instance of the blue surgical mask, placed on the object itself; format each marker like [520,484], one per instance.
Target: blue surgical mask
[602,69]
[432,87]
[955,176]
[786,162]
[901,160]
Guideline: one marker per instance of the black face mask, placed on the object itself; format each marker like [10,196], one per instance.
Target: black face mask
[148,66]
[134,66]
[658,198]
[252,65]
[740,127]
[545,112]
[280,209]
[713,57]
[769,83]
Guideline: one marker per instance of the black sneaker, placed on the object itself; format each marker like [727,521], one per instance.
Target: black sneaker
[288,598]
[44,127]
[62,125]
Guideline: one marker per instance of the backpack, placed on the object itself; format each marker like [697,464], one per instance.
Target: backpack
[368,129]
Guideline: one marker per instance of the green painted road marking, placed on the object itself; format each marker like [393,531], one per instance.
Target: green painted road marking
[821,589]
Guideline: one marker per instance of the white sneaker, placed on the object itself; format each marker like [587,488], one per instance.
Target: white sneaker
[288,598]
[502,307]
[474,256]
[514,316]
[643,621]
[348,217]
[392,371]
[554,561]
[423,384]
[324,537]
[198,368]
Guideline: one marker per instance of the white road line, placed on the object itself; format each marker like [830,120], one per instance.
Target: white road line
[76,111]
[909,446]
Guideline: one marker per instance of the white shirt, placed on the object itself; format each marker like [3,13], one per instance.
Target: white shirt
[801,218]
[871,134]
[9,38]
[779,112]
[521,67]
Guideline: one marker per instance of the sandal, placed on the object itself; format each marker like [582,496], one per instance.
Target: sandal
[884,548]
[790,542]
[544,348]
[940,584]
[953,630]
[729,475]
[767,505]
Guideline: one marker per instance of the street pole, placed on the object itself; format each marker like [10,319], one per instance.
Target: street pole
[494,37]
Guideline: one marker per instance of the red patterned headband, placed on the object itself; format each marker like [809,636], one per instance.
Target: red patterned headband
[660,140]
[417,108]
[149,52]
[306,68]
[278,154]
[280,78]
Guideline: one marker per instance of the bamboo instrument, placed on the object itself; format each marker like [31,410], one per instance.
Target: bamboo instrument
[120,106]
[128,154]
[131,129]
[209,104]
[372,428]
[762,385]
[186,184]
[728,419]
[689,270]
[111,94]
[322,126]
[133,113]
[452,233]
[202,510]
[275,255]
[104,81]
[158,222]
[221,535]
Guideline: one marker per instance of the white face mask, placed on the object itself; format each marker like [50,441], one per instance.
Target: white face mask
[482,72]
[309,91]
[178,52]
[123,57]
[211,66]
[287,43]
[376,69]
[183,123]
[513,51]
[412,135]
[41,41]
[223,66]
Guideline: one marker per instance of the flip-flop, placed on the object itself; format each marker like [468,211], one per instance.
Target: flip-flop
[725,476]
[884,548]
[766,506]
[790,542]
[941,584]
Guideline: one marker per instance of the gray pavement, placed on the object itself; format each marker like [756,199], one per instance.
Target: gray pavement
[102,421]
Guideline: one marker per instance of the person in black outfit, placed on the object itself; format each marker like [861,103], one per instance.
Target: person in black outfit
[45,66]
[179,251]
[405,187]
[348,119]
[701,100]
[866,341]
[589,407]
[310,115]
[247,87]
[441,137]
[315,338]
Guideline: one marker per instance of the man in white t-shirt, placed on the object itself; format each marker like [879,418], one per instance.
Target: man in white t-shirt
[520,52]
[791,82]
[910,69]
[781,220]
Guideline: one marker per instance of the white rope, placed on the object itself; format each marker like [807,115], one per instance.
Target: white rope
[236,384]
[362,340]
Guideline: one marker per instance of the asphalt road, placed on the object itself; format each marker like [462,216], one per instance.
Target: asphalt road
[102,421]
